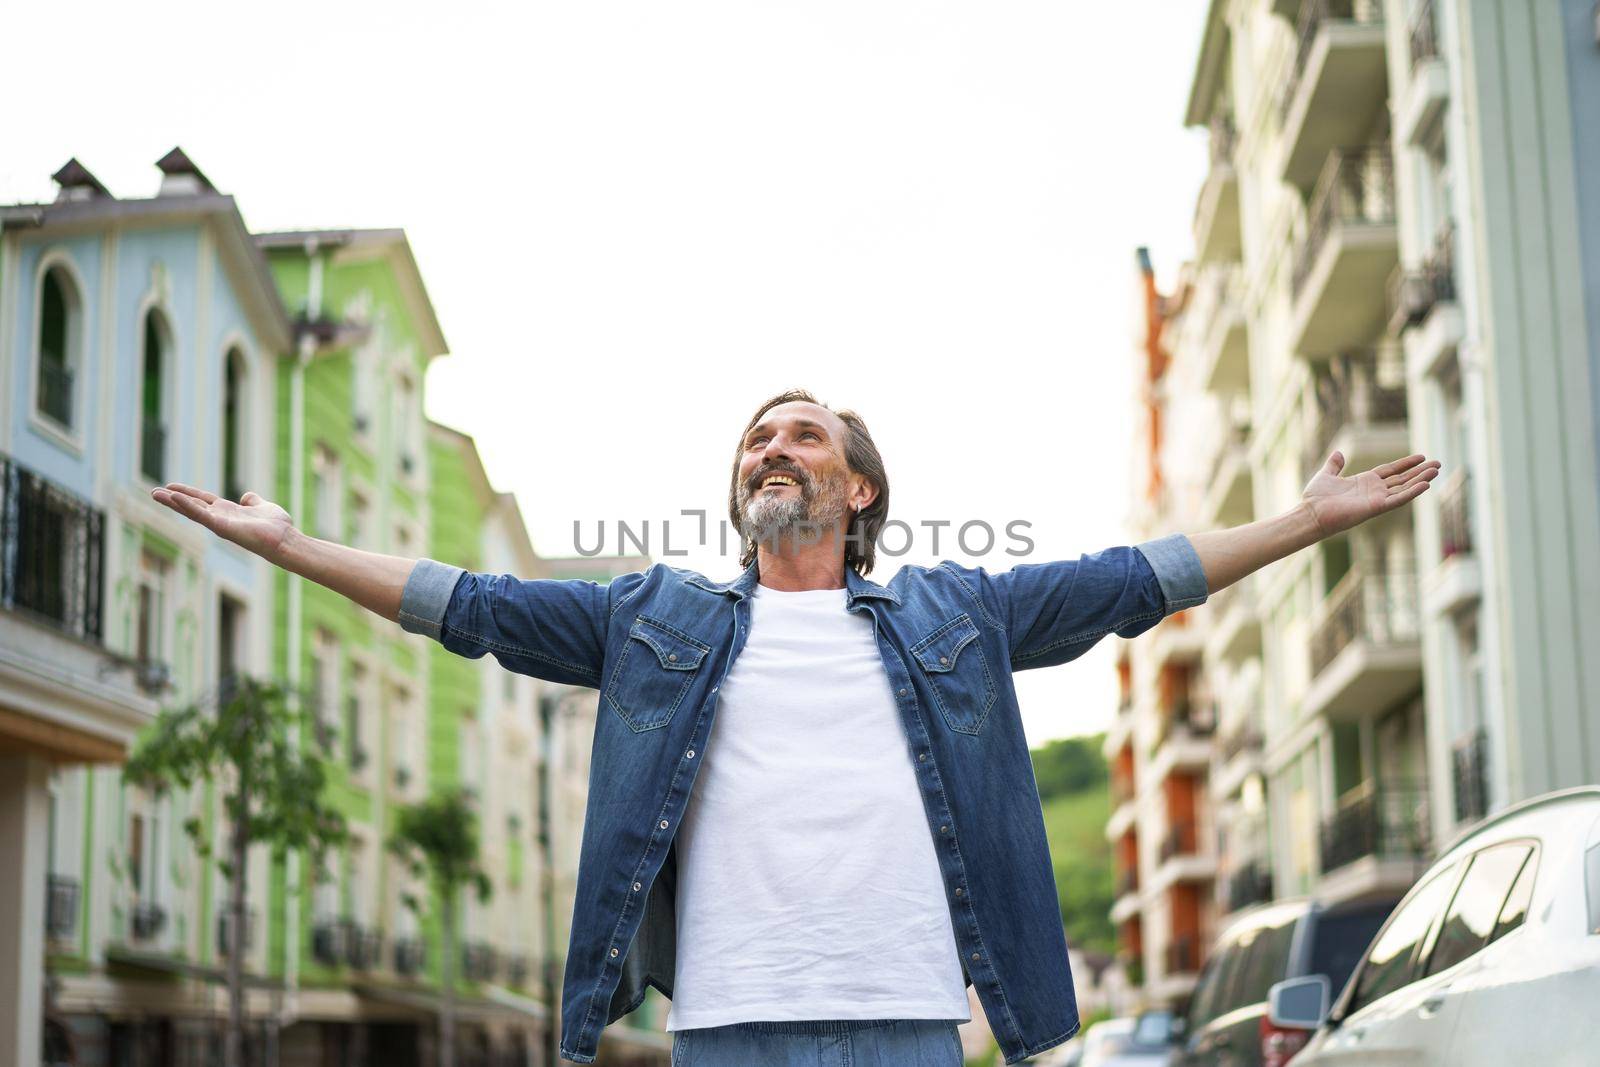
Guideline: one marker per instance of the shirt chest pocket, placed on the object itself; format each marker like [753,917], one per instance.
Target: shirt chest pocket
[957,672]
[653,675]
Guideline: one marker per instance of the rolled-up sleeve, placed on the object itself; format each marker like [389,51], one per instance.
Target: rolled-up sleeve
[554,629]
[1055,612]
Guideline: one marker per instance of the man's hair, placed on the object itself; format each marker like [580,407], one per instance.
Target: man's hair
[860,455]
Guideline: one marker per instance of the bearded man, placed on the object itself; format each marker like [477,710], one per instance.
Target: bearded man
[812,820]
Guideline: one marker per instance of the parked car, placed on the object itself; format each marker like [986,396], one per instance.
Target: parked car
[1226,1022]
[1492,958]
[1125,1043]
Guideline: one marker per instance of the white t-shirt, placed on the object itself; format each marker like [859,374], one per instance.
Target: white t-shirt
[808,887]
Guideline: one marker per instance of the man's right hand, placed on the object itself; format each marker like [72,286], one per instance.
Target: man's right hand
[253,523]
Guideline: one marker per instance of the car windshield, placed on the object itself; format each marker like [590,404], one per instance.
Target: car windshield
[1152,1030]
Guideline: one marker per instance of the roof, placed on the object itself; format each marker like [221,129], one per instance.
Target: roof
[222,211]
[178,162]
[1208,66]
[357,244]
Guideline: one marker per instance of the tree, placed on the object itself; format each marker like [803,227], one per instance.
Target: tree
[437,838]
[247,741]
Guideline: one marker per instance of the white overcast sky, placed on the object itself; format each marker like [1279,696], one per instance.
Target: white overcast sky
[638,220]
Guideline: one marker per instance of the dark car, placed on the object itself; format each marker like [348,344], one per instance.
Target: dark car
[1226,1022]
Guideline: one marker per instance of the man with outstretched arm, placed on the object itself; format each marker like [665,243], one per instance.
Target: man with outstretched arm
[812,820]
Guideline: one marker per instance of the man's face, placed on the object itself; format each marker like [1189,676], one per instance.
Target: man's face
[793,477]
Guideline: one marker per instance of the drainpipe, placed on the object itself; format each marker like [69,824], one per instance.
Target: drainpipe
[297,479]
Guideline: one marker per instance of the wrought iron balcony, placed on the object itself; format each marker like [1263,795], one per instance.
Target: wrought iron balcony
[1424,33]
[1386,822]
[1455,517]
[1415,293]
[479,961]
[409,955]
[1349,395]
[330,943]
[517,972]
[1183,955]
[52,553]
[1470,776]
[365,946]
[1249,884]
[1379,607]
[153,450]
[61,907]
[1183,839]
[55,391]
[1337,84]
[148,920]
[1244,739]
[1356,188]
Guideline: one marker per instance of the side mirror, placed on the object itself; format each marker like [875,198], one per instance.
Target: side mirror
[1299,1003]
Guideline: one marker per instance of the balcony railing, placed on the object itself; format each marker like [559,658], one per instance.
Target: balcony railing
[1356,187]
[1183,955]
[1424,34]
[1314,15]
[1387,822]
[517,971]
[1196,718]
[1249,884]
[1378,607]
[1455,517]
[153,450]
[1127,882]
[61,908]
[55,391]
[52,552]
[1235,436]
[1414,293]
[225,928]
[330,942]
[1182,840]
[1224,139]
[1244,739]
[148,920]
[1469,771]
[1349,395]
[365,946]
[479,961]
[409,955]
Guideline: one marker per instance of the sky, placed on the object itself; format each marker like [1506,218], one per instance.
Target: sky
[637,221]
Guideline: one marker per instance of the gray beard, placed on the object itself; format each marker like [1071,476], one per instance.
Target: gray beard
[789,521]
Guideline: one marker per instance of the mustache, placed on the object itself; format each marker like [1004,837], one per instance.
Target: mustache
[754,482]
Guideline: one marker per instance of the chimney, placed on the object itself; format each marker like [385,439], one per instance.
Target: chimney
[180,177]
[77,183]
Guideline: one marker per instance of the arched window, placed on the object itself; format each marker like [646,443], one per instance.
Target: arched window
[152,428]
[233,384]
[58,343]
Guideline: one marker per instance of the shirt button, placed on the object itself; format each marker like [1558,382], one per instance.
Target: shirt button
[637,887]
[944,659]
[902,692]
[713,689]
[974,955]
[689,754]
[921,757]
[663,824]
[958,891]
[944,829]
[672,657]
[614,952]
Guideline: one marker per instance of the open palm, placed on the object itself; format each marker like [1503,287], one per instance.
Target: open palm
[254,523]
[1338,503]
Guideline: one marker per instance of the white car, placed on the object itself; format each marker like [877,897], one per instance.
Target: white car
[1493,958]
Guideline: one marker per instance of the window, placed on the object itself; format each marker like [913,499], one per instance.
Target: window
[59,320]
[233,380]
[360,520]
[1388,966]
[152,428]
[1339,940]
[150,642]
[1212,992]
[361,879]
[230,643]
[1515,909]
[326,492]
[322,683]
[1473,913]
[405,413]
[354,716]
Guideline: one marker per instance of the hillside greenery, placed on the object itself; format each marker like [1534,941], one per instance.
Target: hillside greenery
[1071,774]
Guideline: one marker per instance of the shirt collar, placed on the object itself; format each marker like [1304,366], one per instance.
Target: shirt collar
[745,584]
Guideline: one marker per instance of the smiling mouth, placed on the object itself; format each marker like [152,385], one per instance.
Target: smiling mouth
[772,481]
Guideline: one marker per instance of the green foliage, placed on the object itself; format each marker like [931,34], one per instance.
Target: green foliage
[1069,765]
[438,838]
[247,741]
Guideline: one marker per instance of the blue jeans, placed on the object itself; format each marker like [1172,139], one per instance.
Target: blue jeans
[821,1043]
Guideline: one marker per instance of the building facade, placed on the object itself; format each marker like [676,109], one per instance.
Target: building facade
[1394,252]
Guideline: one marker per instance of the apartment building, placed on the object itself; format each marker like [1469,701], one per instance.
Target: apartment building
[1395,251]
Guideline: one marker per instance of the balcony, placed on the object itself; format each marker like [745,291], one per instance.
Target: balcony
[1364,419]
[1183,955]
[479,961]
[1469,774]
[1120,733]
[1123,815]
[1216,212]
[1126,904]
[1414,294]
[517,971]
[330,942]
[1365,653]
[153,450]
[1228,500]
[1455,517]
[409,956]
[1337,85]
[1238,757]
[1235,622]
[1348,254]
[1248,884]
[1225,343]
[147,920]
[52,553]
[1176,640]
[1422,102]
[55,391]
[1183,741]
[61,908]
[364,945]
[1376,843]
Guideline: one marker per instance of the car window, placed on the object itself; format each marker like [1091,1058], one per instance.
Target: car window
[1213,982]
[1389,965]
[1266,962]
[1337,942]
[1471,918]
[1516,906]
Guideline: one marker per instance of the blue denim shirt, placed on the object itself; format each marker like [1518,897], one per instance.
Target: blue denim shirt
[658,644]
